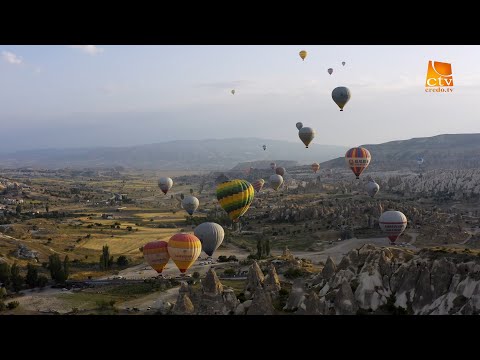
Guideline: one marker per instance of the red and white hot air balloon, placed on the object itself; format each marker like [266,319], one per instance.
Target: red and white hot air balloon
[393,223]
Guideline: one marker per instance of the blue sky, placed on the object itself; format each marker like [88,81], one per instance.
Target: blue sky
[100,95]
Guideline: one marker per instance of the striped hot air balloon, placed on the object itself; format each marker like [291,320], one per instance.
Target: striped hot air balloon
[235,197]
[258,185]
[315,167]
[184,249]
[357,159]
[156,254]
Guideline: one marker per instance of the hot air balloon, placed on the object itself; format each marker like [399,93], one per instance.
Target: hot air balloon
[341,95]
[358,159]
[393,223]
[420,160]
[306,134]
[235,197]
[190,204]
[343,63]
[211,236]
[258,185]
[299,125]
[233,92]
[273,166]
[276,181]
[264,147]
[303,54]
[315,167]
[330,71]
[165,184]
[280,171]
[156,255]
[184,249]
[372,188]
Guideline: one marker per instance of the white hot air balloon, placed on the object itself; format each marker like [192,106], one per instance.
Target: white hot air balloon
[372,188]
[190,204]
[165,184]
[393,223]
[211,235]
[276,181]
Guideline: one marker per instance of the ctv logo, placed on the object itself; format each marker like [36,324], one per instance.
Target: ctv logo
[439,77]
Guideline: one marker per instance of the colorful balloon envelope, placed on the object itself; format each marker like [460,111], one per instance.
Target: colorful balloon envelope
[165,184]
[280,171]
[315,167]
[303,54]
[393,223]
[276,181]
[258,184]
[184,249]
[358,159]
[156,254]
[235,197]
[211,236]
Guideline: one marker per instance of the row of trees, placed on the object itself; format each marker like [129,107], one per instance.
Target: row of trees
[106,260]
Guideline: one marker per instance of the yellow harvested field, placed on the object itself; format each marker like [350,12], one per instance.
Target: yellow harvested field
[128,244]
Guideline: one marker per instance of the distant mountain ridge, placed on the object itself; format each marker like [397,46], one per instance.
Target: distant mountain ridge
[212,154]
[448,151]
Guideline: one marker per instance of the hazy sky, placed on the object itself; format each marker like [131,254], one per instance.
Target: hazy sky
[83,96]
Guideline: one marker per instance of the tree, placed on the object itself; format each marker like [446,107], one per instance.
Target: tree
[5,273]
[259,248]
[122,260]
[42,281]
[267,247]
[18,209]
[32,276]
[15,278]
[66,266]
[57,269]
[105,258]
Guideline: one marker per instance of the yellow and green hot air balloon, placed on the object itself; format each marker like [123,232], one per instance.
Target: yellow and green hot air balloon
[235,197]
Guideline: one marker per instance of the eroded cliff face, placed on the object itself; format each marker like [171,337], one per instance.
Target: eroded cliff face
[390,280]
